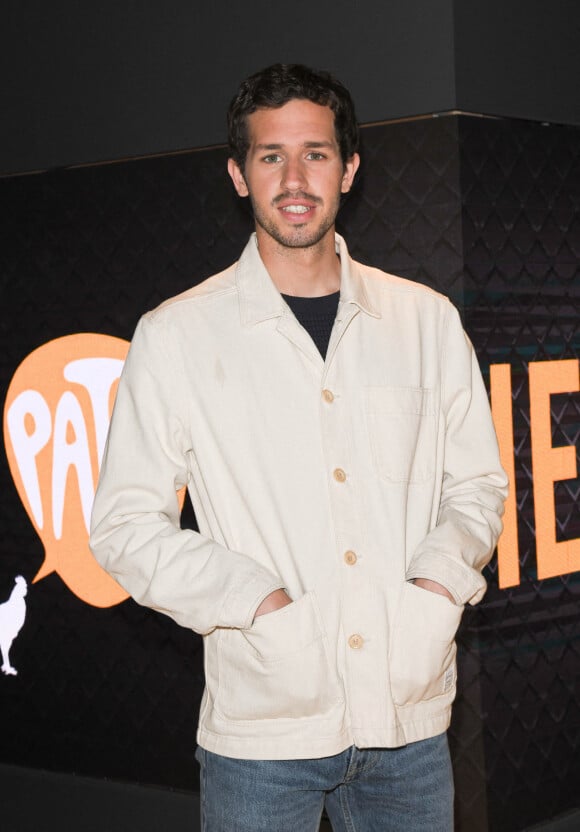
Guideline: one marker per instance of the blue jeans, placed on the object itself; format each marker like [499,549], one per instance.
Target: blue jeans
[408,789]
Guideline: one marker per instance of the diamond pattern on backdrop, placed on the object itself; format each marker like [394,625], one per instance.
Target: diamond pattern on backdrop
[520,186]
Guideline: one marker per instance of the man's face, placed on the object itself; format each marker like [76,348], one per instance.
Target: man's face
[294,174]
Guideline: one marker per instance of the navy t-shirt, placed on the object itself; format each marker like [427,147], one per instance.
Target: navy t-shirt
[316,316]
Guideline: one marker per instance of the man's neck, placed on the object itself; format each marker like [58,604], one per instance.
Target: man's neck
[302,272]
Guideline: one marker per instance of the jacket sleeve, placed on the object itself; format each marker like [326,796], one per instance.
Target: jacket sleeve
[474,485]
[135,529]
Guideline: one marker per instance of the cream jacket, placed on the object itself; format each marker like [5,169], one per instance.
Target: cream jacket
[340,480]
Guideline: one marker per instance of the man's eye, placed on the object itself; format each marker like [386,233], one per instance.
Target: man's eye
[271,158]
[315,156]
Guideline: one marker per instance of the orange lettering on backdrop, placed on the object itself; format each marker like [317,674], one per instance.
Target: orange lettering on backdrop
[551,464]
[501,408]
[56,419]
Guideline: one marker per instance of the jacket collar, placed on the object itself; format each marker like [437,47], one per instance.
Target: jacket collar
[260,300]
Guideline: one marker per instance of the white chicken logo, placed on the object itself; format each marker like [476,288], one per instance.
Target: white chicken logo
[12,615]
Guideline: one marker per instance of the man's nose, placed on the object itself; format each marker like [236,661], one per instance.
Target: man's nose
[293,175]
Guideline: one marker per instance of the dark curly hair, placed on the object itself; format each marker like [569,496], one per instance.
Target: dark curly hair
[277,85]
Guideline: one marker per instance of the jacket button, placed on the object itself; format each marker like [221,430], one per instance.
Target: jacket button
[350,558]
[328,396]
[355,641]
[339,475]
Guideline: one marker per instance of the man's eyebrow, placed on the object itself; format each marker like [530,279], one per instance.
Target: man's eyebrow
[320,144]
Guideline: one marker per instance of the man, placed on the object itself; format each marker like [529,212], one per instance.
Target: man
[332,428]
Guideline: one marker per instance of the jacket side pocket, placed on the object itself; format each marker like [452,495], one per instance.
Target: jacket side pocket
[422,646]
[278,668]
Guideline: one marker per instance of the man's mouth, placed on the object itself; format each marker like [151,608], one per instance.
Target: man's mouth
[296,204]
[296,209]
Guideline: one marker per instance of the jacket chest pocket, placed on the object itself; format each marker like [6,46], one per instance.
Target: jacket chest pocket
[402,429]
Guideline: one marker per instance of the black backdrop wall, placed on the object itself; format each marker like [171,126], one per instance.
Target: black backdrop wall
[487,211]
[85,82]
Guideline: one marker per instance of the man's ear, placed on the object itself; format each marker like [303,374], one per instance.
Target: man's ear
[237,178]
[350,169]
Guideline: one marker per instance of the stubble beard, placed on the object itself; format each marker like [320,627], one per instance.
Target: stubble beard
[298,236]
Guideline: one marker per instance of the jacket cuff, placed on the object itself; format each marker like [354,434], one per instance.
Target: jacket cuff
[241,604]
[465,584]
